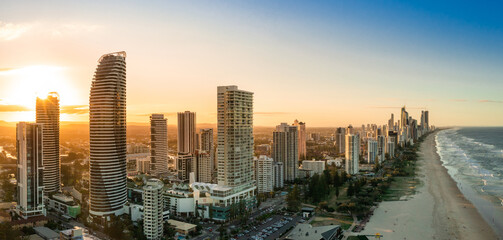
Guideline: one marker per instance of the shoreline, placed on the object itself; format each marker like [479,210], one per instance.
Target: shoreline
[438,210]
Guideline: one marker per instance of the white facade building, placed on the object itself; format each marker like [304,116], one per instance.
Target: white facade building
[264,174]
[317,167]
[153,209]
[352,153]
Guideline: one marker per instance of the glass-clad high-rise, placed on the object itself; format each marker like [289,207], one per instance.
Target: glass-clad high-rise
[48,114]
[107,119]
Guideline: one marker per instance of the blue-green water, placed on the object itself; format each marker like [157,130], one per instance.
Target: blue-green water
[474,159]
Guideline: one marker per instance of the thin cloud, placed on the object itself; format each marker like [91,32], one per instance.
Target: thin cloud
[458,100]
[13,108]
[490,101]
[75,109]
[11,31]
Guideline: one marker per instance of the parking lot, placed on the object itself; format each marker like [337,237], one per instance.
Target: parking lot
[271,228]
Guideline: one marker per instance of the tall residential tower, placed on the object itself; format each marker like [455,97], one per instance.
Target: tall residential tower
[285,149]
[30,169]
[158,144]
[302,136]
[235,138]
[186,132]
[48,115]
[107,121]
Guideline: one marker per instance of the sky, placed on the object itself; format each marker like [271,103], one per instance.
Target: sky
[328,63]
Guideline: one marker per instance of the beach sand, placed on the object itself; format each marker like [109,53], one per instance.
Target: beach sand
[437,211]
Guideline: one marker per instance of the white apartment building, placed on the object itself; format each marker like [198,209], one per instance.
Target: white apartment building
[352,153]
[264,174]
[153,209]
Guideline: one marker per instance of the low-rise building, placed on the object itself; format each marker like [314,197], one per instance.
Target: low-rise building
[63,204]
[308,232]
[183,227]
[317,167]
[46,233]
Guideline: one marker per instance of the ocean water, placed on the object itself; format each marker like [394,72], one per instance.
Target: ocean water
[474,159]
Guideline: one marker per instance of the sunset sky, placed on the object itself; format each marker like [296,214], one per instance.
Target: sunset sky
[328,63]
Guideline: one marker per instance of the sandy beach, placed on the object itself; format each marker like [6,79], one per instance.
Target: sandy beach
[437,211]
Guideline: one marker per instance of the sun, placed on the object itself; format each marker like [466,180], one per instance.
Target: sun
[24,85]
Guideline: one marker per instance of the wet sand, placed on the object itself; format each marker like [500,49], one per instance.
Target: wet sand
[437,211]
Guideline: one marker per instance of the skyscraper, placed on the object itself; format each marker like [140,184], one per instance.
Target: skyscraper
[285,149]
[427,120]
[152,209]
[352,153]
[340,139]
[372,151]
[264,174]
[30,168]
[107,121]
[48,114]
[158,144]
[203,167]
[381,148]
[278,174]
[391,123]
[235,138]
[184,167]
[404,118]
[186,132]
[206,143]
[302,135]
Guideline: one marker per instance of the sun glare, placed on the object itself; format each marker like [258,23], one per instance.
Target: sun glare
[28,83]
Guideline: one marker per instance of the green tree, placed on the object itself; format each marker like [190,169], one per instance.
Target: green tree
[169,231]
[293,199]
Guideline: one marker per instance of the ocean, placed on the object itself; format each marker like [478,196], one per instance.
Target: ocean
[473,157]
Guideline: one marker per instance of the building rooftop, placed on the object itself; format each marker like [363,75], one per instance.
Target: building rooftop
[46,233]
[308,232]
[63,198]
[209,187]
[181,225]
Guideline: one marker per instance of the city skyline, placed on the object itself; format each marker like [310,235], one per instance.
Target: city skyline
[279,51]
